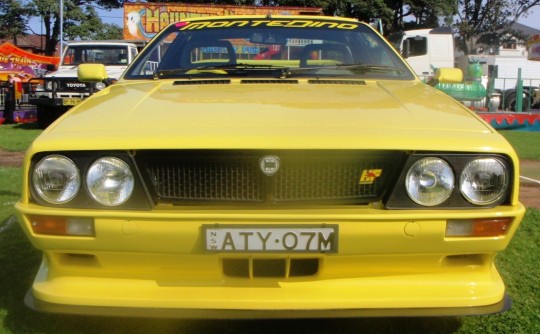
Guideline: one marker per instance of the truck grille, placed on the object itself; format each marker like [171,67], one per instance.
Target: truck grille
[73,85]
[354,177]
[66,85]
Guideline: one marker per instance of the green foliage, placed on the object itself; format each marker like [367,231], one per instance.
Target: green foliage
[490,20]
[13,19]
[487,20]
[86,24]
[80,19]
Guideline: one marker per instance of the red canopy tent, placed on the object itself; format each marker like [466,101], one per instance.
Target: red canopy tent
[14,60]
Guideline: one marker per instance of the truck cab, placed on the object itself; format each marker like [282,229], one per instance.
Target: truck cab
[426,49]
[60,90]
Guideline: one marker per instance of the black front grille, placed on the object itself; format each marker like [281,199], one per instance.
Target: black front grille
[355,177]
[201,179]
[266,268]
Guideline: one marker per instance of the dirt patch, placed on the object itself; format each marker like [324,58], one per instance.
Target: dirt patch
[11,159]
[529,189]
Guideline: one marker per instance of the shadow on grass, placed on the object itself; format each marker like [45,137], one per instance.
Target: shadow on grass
[26,126]
[19,262]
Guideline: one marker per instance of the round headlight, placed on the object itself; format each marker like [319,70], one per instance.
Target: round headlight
[429,181]
[110,181]
[56,179]
[100,85]
[50,85]
[484,181]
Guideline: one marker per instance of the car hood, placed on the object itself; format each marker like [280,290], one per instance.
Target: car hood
[171,114]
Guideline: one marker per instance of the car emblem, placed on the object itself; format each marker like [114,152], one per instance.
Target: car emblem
[269,165]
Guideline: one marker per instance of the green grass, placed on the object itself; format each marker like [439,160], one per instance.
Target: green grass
[518,264]
[17,137]
[10,188]
[526,144]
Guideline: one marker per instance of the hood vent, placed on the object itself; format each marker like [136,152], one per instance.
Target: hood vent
[201,82]
[268,81]
[337,82]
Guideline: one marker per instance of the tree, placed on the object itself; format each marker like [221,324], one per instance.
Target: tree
[13,19]
[489,21]
[84,23]
[80,20]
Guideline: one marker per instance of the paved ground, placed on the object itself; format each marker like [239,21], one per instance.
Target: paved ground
[530,184]
[529,191]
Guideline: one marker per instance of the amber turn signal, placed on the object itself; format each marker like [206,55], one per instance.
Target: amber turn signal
[485,227]
[63,226]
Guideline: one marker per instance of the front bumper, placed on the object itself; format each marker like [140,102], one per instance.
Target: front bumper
[153,312]
[57,102]
[154,264]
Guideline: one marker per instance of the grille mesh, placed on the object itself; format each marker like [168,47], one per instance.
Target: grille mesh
[177,177]
[322,180]
[226,181]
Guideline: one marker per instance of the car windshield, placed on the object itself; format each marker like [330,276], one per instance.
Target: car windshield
[107,55]
[260,47]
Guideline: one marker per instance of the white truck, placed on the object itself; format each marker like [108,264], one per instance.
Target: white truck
[58,91]
[426,49]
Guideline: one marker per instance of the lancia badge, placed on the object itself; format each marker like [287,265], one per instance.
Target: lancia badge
[269,165]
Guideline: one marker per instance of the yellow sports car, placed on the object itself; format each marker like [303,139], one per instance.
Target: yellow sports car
[258,166]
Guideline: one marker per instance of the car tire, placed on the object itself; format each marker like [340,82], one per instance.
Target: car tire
[510,102]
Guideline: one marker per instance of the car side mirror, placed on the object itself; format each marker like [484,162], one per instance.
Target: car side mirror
[406,50]
[92,73]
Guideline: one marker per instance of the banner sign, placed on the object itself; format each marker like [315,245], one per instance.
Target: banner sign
[143,20]
[22,63]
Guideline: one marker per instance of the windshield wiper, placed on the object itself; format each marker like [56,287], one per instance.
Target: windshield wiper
[225,69]
[370,68]
[246,69]
[243,66]
[355,68]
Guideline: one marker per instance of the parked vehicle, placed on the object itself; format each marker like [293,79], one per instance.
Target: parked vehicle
[326,180]
[60,90]
[428,49]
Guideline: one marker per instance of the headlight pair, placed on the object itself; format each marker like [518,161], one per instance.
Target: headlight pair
[56,179]
[482,181]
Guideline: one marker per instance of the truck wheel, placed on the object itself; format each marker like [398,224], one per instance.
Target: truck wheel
[45,116]
[510,102]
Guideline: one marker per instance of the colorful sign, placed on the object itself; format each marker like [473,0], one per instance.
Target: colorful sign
[533,48]
[143,20]
[22,63]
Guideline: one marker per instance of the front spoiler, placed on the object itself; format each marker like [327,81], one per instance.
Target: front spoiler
[35,304]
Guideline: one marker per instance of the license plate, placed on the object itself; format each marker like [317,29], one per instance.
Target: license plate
[71,101]
[273,239]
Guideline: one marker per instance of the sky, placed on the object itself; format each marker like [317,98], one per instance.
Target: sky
[115,16]
[532,20]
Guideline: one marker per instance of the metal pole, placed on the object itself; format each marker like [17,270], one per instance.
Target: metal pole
[61,4]
[519,93]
